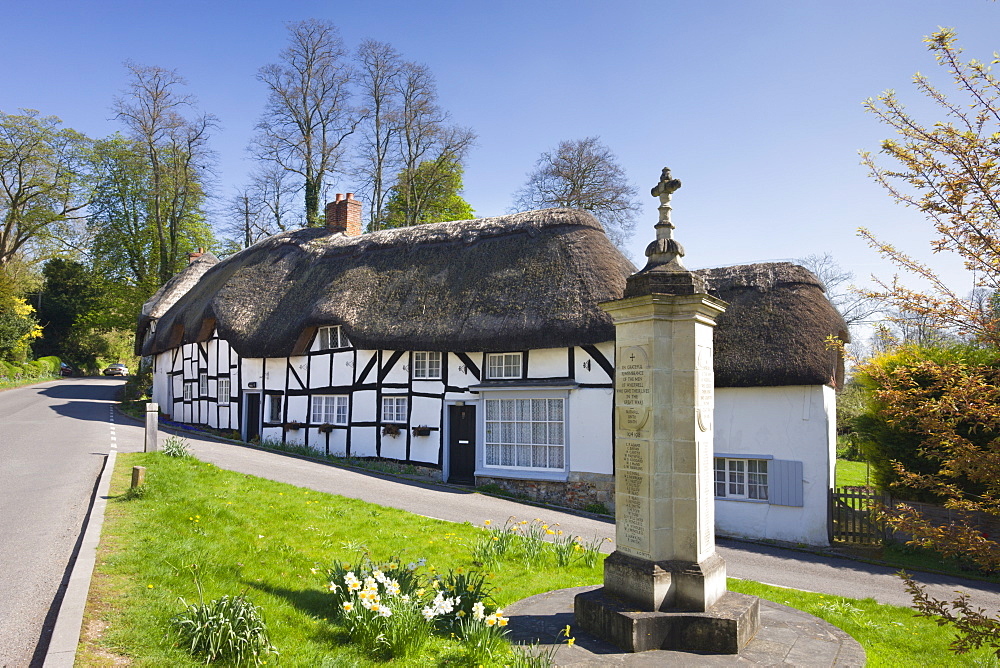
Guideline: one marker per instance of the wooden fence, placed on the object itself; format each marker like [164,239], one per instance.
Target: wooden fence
[852,517]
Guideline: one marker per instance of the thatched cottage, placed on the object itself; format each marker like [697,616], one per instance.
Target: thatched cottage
[477,349]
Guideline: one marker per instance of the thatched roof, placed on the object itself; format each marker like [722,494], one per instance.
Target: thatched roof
[527,280]
[169,293]
[774,329]
[518,282]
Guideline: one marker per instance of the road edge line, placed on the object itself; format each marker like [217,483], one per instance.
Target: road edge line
[69,622]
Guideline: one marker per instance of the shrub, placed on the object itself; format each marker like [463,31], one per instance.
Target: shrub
[176,447]
[913,384]
[230,629]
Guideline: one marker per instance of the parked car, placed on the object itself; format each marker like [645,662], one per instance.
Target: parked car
[116,370]
[65,369]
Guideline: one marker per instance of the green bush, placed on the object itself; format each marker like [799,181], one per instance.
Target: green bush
[50,364]
[883,441]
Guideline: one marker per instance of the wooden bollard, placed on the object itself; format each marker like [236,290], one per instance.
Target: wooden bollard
[138,476]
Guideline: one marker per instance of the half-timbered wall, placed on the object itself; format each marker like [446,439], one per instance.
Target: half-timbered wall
[186,384]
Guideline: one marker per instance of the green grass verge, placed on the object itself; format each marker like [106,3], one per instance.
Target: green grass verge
[264,538]
[851,474]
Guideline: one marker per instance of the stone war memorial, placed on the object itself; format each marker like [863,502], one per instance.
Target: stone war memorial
[665,584]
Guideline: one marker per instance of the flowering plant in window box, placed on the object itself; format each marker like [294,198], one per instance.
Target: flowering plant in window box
[294,425]
[390,430]
[325,428]
[422,430]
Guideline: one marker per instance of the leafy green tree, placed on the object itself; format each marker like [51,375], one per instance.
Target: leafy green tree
[42,193]
[175,150]
[71,292]
[430,194]
[18,325]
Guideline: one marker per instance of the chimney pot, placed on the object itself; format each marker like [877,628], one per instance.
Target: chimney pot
[344,215]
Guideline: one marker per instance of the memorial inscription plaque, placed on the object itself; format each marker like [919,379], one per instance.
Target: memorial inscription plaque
[633,399]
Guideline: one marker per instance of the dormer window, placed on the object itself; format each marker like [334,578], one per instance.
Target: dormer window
[331,338]
[503,366]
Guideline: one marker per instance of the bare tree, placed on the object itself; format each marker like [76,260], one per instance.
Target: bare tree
[308,116]
[177,150]
[856,307]
[264,207]
[584,174]
[426,142]
[379,69]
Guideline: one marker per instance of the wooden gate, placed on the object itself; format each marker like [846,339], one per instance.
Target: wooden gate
[852,515]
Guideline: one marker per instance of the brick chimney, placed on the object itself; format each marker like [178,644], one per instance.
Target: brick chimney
[195,255]
[344,215]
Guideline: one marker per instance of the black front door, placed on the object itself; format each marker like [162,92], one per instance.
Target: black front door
[462,444]
[253,416]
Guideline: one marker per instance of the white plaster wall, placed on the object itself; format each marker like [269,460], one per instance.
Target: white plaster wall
[363,407]
[595,374]
[364,357]
[547,363]
[425,412]
[161,381]
[456,376]
[301,366]
[363,441]
[399,372]
[274,373]
[395,446]
[250,370]
[590,433]
[298,408]
[319,372]
[794,422]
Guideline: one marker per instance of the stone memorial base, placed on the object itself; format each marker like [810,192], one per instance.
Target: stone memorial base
[725,628]
[665,585]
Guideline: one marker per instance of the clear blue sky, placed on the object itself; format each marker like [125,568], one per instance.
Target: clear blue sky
[755,105]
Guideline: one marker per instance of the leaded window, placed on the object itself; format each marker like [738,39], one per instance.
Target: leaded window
[525,433]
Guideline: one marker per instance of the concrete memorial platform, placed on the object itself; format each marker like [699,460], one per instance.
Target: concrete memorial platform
[786,637]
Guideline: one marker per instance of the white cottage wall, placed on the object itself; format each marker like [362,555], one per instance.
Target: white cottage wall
[547,363]
[590,430]
[793,423]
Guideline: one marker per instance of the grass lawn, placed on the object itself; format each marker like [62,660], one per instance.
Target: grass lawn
[851,473]
[264,538]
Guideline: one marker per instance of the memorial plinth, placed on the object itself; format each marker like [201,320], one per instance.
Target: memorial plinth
[665,585]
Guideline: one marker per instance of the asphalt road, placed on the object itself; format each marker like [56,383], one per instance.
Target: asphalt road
[54,438]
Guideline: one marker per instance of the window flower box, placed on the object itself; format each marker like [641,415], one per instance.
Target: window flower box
[294,425]
[390,430]
[325,428]
[422,430]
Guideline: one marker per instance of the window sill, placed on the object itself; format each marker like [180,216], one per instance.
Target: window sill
[728,498]
[522,474]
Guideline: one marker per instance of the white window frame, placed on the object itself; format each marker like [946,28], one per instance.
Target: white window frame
[202,384]
[742,479]
[521,431]
[427,365]
[225,392]
[394,410]
[504,366]
[187,393]
[274,404]
[329,409]
[331,338]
